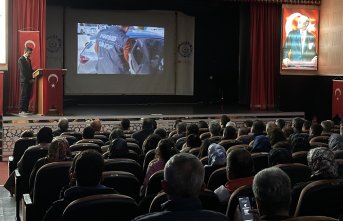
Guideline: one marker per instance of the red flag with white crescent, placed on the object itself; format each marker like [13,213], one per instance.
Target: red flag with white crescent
[337,98]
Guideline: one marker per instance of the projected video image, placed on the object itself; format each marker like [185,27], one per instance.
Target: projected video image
[119,49]
[300,39]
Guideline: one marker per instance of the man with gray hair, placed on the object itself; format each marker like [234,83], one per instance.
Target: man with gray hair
[63,125]
[272,191]
[183,181]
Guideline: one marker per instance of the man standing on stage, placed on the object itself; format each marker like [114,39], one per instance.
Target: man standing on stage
[26,80]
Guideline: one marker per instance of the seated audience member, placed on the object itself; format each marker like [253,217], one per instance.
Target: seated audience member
[204,148]
[125,125]
[269,127]
[279,156]
[229,133]
[232,124]
[202,124]
[191,129]
[261,142]
[299,140]
[96,125]
[180,131]
[336,142]
[27,133]
[118,148]
[244,135]
[327,127]
[116,133]
[29,158]
[276,135]
[58,151]
[306,126]
[216,159]
[239,171]
[150,142]
[88,133]
[87,173]
[192,141]
[183,181]
[63,126]
[161,132]
[288,131]
[321,161]
[280,123]
[248,123]
[165,149]
[272,192]
[147,129]
[215,130]
[315,131]
[224,119]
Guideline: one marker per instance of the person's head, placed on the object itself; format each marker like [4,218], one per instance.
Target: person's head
[214,128]
[248,123]
[27,133]
[327,125]
[27,52]
[297,124]
[165,149]
[96,125]
[161,132]
[229,133]
[272,191]
[279,156]
[58,150]
[280,122]
[287,131]
[306,126]
[243,131]
[88,168]
[176,122]
[125,28]
[321,161]
[223,120]
[44,135]
[216,155]
[258,127]
[193,141]
[147,124]
[88,133]
[316,130]
[151,142]
[181,127]
[202,124]
[276,135]
[183,176]
[63,124]
[192,129]
[336,142]
[270,126]
[303,22]
[115,133]
[239,164]
[118,148]
[125,124]
[231,124]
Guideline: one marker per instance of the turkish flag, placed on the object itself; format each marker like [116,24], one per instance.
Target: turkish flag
[31,39]
[337,98]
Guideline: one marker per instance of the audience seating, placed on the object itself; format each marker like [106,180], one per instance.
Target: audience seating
[320,139]
[229,143]
[203,130]
[20,146]
[102,137]
[135,147]
[245,139]
[77,135]
[154,183]
[321,198]
[105,133]
[318,144]
[123,182]
[246,146]
[311,218]
[101,207]
[300,157]
[71,139]
[195,151]
[94,141]
[204,160]
[47,186]
[205,135]
[217,178]
[242,191]
[339,163]
[149,156]
[297,172]
[260,161]
[126,165]
[132,140]
[85,146]
[338,154]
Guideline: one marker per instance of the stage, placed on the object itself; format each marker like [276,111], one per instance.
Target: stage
[80,116]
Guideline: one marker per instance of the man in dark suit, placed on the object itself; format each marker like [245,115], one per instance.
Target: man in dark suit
[300,44]
[26,80]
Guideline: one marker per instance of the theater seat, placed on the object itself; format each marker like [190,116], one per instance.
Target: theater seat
[217,178]
[126,165]
[311,218]
[154,183]
[321,198]
[338,154]
[260,161]
[77,135]
[321,139]
[243,191]
[85,146]
[101,207]
[300,157]
[95,141]
[297,172]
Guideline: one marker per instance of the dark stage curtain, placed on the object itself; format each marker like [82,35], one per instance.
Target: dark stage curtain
[296,2]
[27,15]
[264,54]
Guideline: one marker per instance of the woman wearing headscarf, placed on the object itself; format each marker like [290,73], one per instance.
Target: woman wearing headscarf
[321,161]
[58,151]
[216,159]
[118,148]
[336,142]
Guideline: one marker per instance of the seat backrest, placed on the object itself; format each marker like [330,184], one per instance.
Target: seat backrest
[154,183]
[71,139]
[94,141]
[48,183]
[217,178]
[318,144]
[77,135]
[123,182]
[311,218]
[19,148]
[205,135]
[135,147]
[260,161]
[243,191]
[195,151]
[101,207]
[132,140]
[321,198]
[126,165]
[102,137]
[204,160]
[149,156]
[338,154]
[85,146]
[300,157]
[245,139]
[237,146]
[297,172]
[105,133]
[339,163]
[229,143]
[321,139]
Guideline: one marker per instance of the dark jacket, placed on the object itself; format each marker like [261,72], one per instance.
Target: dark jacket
[25,70]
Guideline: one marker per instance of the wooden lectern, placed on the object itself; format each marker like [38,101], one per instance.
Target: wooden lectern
[49,91]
